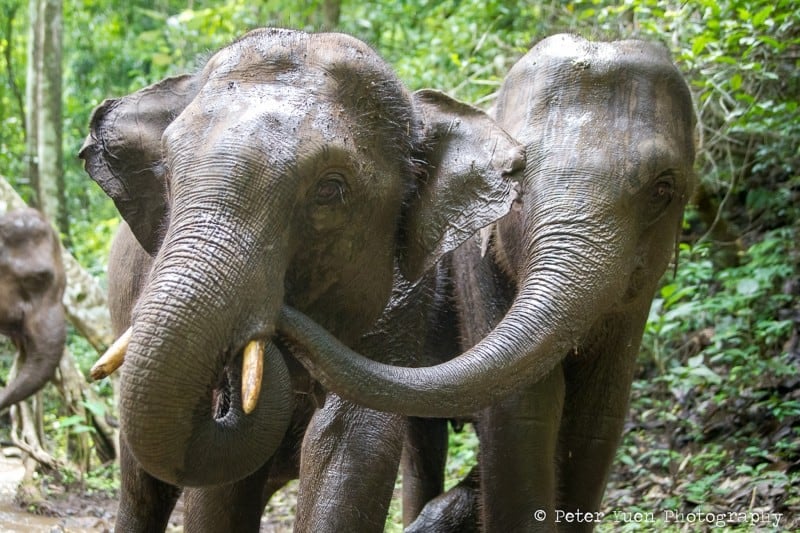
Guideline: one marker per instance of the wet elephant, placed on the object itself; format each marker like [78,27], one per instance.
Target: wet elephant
[31,289]
[296,169]
[551,317]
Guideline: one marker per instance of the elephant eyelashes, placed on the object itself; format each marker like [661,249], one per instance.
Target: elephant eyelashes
[331,190]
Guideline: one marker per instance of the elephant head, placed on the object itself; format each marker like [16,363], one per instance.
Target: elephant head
[293,168]
[31,289]
[609,136]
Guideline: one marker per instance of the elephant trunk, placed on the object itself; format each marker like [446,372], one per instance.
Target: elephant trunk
[573,268]
[41,345]
[180,408]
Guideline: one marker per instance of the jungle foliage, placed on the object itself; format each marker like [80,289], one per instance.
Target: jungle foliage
[715,421]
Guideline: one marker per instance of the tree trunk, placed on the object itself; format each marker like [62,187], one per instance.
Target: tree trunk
[330,13]
[31,99]
[44,111]
[82,401]
[10,13]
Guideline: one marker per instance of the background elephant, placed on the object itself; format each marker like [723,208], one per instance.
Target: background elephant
[552,317]
[31,289]
[293,168]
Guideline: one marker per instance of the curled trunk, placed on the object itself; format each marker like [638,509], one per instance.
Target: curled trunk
[181,406]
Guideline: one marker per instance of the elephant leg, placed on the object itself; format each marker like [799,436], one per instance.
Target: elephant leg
[598,390]
[424,459]
[455,511]
[145,503]
[518,439]
[348,467]
[232,507]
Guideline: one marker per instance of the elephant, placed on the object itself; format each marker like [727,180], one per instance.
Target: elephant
[31,311]
[551,311]
[293,169]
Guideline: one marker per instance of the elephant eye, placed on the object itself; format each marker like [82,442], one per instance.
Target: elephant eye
[664,188]
[35,282]
[331,189]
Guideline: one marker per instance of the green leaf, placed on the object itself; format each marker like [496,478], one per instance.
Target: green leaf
[696,361]
[760,17]
[770,41]
[744,14]
[699,44]
[668,290]
[747,287]
[98,409]
[71,421]
[677,294]
[736,82]
[704,374]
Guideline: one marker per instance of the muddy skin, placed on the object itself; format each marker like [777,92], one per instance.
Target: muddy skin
[547,366]
[294,169]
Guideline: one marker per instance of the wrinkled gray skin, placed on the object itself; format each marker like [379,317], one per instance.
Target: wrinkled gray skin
[31,289]
[292,169]
[552,317]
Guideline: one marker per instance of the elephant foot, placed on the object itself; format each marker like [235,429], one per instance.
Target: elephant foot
[453,511]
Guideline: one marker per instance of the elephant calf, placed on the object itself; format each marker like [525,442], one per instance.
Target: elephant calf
[31,289]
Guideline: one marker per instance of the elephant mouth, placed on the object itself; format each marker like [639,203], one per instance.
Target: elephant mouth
[12,329]
[221,396]
[245,367]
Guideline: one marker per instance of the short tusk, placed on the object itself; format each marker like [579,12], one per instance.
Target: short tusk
[113,358]
[252,369]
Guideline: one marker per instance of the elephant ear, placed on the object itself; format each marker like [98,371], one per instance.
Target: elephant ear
[470,168]
[122,153]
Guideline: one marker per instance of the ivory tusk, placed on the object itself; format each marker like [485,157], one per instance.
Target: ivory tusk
[252,369]
[113,358]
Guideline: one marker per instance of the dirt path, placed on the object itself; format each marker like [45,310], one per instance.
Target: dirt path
[80,513]
[14,520]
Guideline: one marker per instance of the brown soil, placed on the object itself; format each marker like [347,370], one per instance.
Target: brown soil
[70,510]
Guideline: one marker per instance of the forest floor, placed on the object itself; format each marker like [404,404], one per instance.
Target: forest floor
[634,501]
[71,510]
[692,457]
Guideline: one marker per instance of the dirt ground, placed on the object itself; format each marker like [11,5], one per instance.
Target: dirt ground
[74,512]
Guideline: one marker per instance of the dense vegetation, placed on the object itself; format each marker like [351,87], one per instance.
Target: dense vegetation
[715,422]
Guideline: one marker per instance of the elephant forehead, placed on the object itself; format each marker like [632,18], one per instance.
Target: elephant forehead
[337,66]
[572,53]
[258,54]
[607,115]
[17,263]
[265,121]
[22,227]
[296,58]
[566,70]
[275,91]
